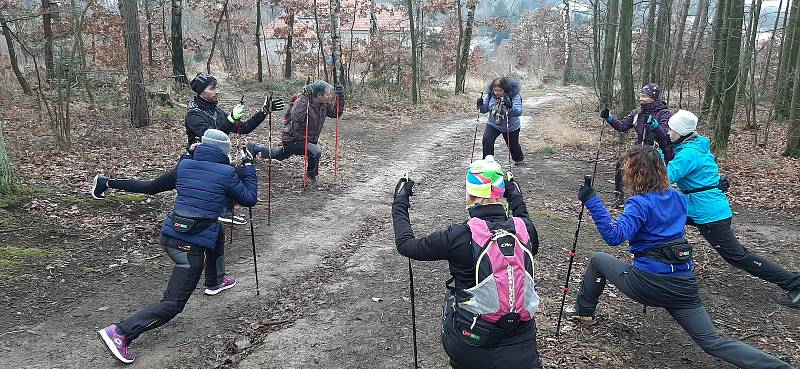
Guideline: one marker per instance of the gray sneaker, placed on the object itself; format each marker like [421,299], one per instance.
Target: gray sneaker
[791,299]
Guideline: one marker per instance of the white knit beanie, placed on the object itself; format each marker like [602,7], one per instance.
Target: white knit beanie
[217,138]
[683,122]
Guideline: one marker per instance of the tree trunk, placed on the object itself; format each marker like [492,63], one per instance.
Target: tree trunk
[678,49]
[336,41]
[12,57]
[321,43]
[258,41]
[7,179]
[287,65]
[731,72]
[626,55]
[661,44]
[460,20]
[789,61]
[610,53]
[178,66]
[749,58]
[650,46]
[567,76]
[770,49]
[167,41]
[216,33]
[718,46]
[140,116]
[414,55]
[47,28]
[463,62]
[793,137]
[149,19]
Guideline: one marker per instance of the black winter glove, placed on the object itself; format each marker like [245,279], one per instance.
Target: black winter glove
[512,188]
[586,191]
[479,103]
[508,103]
[271,105]
[604,113]
[404,188]
[246,157]
[339,90]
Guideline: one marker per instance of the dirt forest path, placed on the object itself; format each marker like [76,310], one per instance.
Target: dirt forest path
[334,291]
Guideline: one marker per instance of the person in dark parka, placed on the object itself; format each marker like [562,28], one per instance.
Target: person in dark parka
[649,121]
[190,234]
[202,113]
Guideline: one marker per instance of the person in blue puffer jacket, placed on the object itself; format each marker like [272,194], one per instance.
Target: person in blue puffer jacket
[662,273]
[190,235]
[694,170]
[504,106]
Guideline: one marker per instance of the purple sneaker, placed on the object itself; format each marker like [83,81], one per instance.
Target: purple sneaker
[116,344]
[226,283]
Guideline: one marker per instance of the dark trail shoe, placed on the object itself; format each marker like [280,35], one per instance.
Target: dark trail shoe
[619,200]
[314,182]
[570,312]
[791,299]
[99,185]
[251,149]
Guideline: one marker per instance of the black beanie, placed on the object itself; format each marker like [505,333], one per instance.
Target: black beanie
[652,91]
[201,81]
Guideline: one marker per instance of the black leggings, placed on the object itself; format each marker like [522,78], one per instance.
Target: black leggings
[163,183]
[490,135]
[722,239]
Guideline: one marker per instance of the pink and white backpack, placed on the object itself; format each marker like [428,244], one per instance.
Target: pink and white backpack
[503,273]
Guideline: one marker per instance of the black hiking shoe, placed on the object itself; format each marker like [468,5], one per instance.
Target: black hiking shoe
[791,299]
[619,200]
[572,313]
[99,185]
[314,182]
[520,164]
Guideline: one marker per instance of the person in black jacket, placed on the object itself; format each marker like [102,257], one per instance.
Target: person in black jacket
[190,234]
[511,345]
[202,113]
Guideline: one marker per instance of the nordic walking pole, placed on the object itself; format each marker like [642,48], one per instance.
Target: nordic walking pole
[305,149]
[413,301]
[589,180]
[508,135]
[238,144]
[255,258]
[336,144]
[475,138]
[269,168]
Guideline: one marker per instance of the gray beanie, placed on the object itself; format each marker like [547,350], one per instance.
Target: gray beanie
[217,138]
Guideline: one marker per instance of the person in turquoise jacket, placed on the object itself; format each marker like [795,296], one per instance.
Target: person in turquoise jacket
[694,170]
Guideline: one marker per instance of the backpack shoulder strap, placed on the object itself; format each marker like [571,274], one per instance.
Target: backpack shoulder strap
[521,230]
[480,231]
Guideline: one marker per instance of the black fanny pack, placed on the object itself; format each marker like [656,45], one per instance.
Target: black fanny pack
[723,186]
[676,251]
[189,224]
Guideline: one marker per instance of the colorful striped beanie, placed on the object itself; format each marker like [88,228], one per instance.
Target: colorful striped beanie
[485,179]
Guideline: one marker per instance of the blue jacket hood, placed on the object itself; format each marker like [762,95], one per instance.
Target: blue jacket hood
[206,152]
[515,87]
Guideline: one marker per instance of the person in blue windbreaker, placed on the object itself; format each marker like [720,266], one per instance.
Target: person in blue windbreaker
[504,106]
[190,235]
[694,170]
[662,274]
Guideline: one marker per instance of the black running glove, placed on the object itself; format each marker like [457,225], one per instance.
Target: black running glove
[586,191]
[604,114]
[512,189]
[404,188]
[508,103]
[271,105]
[479,103]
